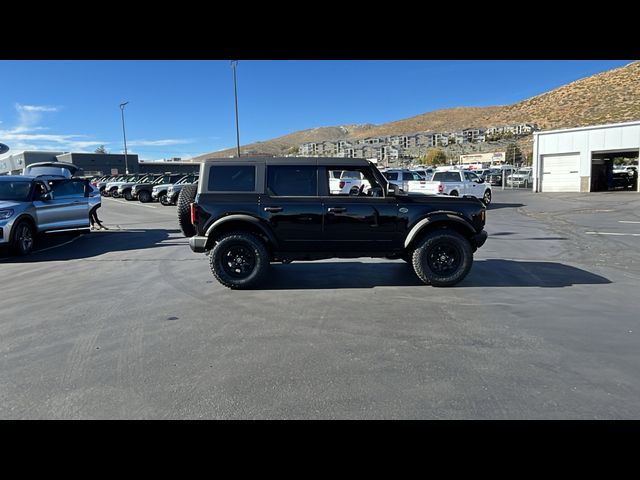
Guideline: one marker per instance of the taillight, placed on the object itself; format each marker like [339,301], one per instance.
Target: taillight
[341,183]
[193,213]
[440,188]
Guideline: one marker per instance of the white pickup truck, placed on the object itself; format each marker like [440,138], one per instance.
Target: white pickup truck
[347,182]
[459,182]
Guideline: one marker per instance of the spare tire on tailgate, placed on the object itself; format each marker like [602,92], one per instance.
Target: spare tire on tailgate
[186,197]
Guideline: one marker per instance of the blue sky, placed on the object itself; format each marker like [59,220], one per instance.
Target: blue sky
[185,108]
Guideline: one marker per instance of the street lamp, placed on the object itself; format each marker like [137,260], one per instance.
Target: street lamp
[234,64]
[124,135]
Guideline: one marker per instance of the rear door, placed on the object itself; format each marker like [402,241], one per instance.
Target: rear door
[292,207]
[72,203]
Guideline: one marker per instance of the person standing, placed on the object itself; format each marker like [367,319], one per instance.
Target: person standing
[95,202]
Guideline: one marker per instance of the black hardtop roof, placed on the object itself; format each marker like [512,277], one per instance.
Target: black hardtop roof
[319,161]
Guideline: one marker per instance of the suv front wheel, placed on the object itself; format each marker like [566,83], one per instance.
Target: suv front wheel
[23,238]
[442,258]
[239,260]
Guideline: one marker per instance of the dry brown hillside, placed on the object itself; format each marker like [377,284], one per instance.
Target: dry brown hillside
[608,97]
[281,145]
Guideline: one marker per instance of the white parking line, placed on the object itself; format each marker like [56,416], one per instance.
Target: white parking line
[612,233]
[132,203]
[627,221]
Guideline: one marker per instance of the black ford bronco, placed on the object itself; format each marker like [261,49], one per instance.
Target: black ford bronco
[250,211]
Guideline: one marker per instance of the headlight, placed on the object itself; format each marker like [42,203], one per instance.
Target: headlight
[7,213]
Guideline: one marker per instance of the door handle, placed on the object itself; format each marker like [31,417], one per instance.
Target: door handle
[273,209]
[336,209]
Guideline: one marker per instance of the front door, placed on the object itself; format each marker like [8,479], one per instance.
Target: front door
[363,222]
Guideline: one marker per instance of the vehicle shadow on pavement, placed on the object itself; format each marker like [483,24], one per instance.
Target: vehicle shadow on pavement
[510,273]
[484,273]
[95,244]
[495,206]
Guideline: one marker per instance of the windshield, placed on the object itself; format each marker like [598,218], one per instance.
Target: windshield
[161,180]
[523,172]
[17,190]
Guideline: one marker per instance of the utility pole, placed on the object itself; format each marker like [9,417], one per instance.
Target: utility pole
[234,64]
[124,135]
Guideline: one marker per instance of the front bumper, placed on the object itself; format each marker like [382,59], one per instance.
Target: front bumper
[154,194]
[198,243]
[478,240]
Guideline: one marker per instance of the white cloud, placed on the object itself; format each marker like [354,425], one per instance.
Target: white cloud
[30,115]
[36,108]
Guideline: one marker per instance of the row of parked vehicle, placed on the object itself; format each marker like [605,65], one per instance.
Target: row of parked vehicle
[151,187]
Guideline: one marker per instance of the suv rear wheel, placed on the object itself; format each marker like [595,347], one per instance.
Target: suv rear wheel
[239,260]
[442,258]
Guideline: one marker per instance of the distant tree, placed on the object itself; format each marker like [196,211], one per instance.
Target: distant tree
[293,151]
[433,157]
[101,149]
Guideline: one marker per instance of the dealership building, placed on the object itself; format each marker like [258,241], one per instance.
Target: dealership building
[579,159]
[94,164]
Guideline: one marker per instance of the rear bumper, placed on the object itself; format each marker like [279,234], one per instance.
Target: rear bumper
[198,244]
[478,240]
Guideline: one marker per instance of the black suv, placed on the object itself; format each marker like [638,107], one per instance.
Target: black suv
[248,212]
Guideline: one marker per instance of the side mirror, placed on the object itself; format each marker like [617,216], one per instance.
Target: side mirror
[392,189]
[46,197]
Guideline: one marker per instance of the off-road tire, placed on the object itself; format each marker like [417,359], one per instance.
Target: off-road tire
[144,196]
[186,197]
[22,238]
[252,254]
[453,194]
[451,244]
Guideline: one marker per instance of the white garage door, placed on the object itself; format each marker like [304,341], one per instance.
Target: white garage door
[560,173]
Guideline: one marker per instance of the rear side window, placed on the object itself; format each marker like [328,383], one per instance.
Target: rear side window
[67,189]
[446,177]
[232,178]
[391,175]
[292,181]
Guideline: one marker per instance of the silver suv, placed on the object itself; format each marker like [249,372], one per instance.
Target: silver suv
[31,205]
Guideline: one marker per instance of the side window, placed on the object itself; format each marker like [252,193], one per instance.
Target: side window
[391,175]
[68,189]
[473,177]
[355,182]
[232,178]
[39,190]
[292,181]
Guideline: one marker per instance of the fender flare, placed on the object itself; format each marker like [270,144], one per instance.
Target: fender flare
[243,218]
[436,218]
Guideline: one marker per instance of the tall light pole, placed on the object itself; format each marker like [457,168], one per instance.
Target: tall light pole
[124,135]
[234,64]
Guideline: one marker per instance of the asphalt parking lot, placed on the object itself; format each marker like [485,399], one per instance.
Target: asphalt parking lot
[129,323]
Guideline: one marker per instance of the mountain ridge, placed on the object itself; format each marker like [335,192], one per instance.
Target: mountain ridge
[611,96]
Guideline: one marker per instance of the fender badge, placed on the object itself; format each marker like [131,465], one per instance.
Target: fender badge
[403,210]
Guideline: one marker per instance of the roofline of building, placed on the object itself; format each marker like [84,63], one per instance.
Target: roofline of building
[591,127]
